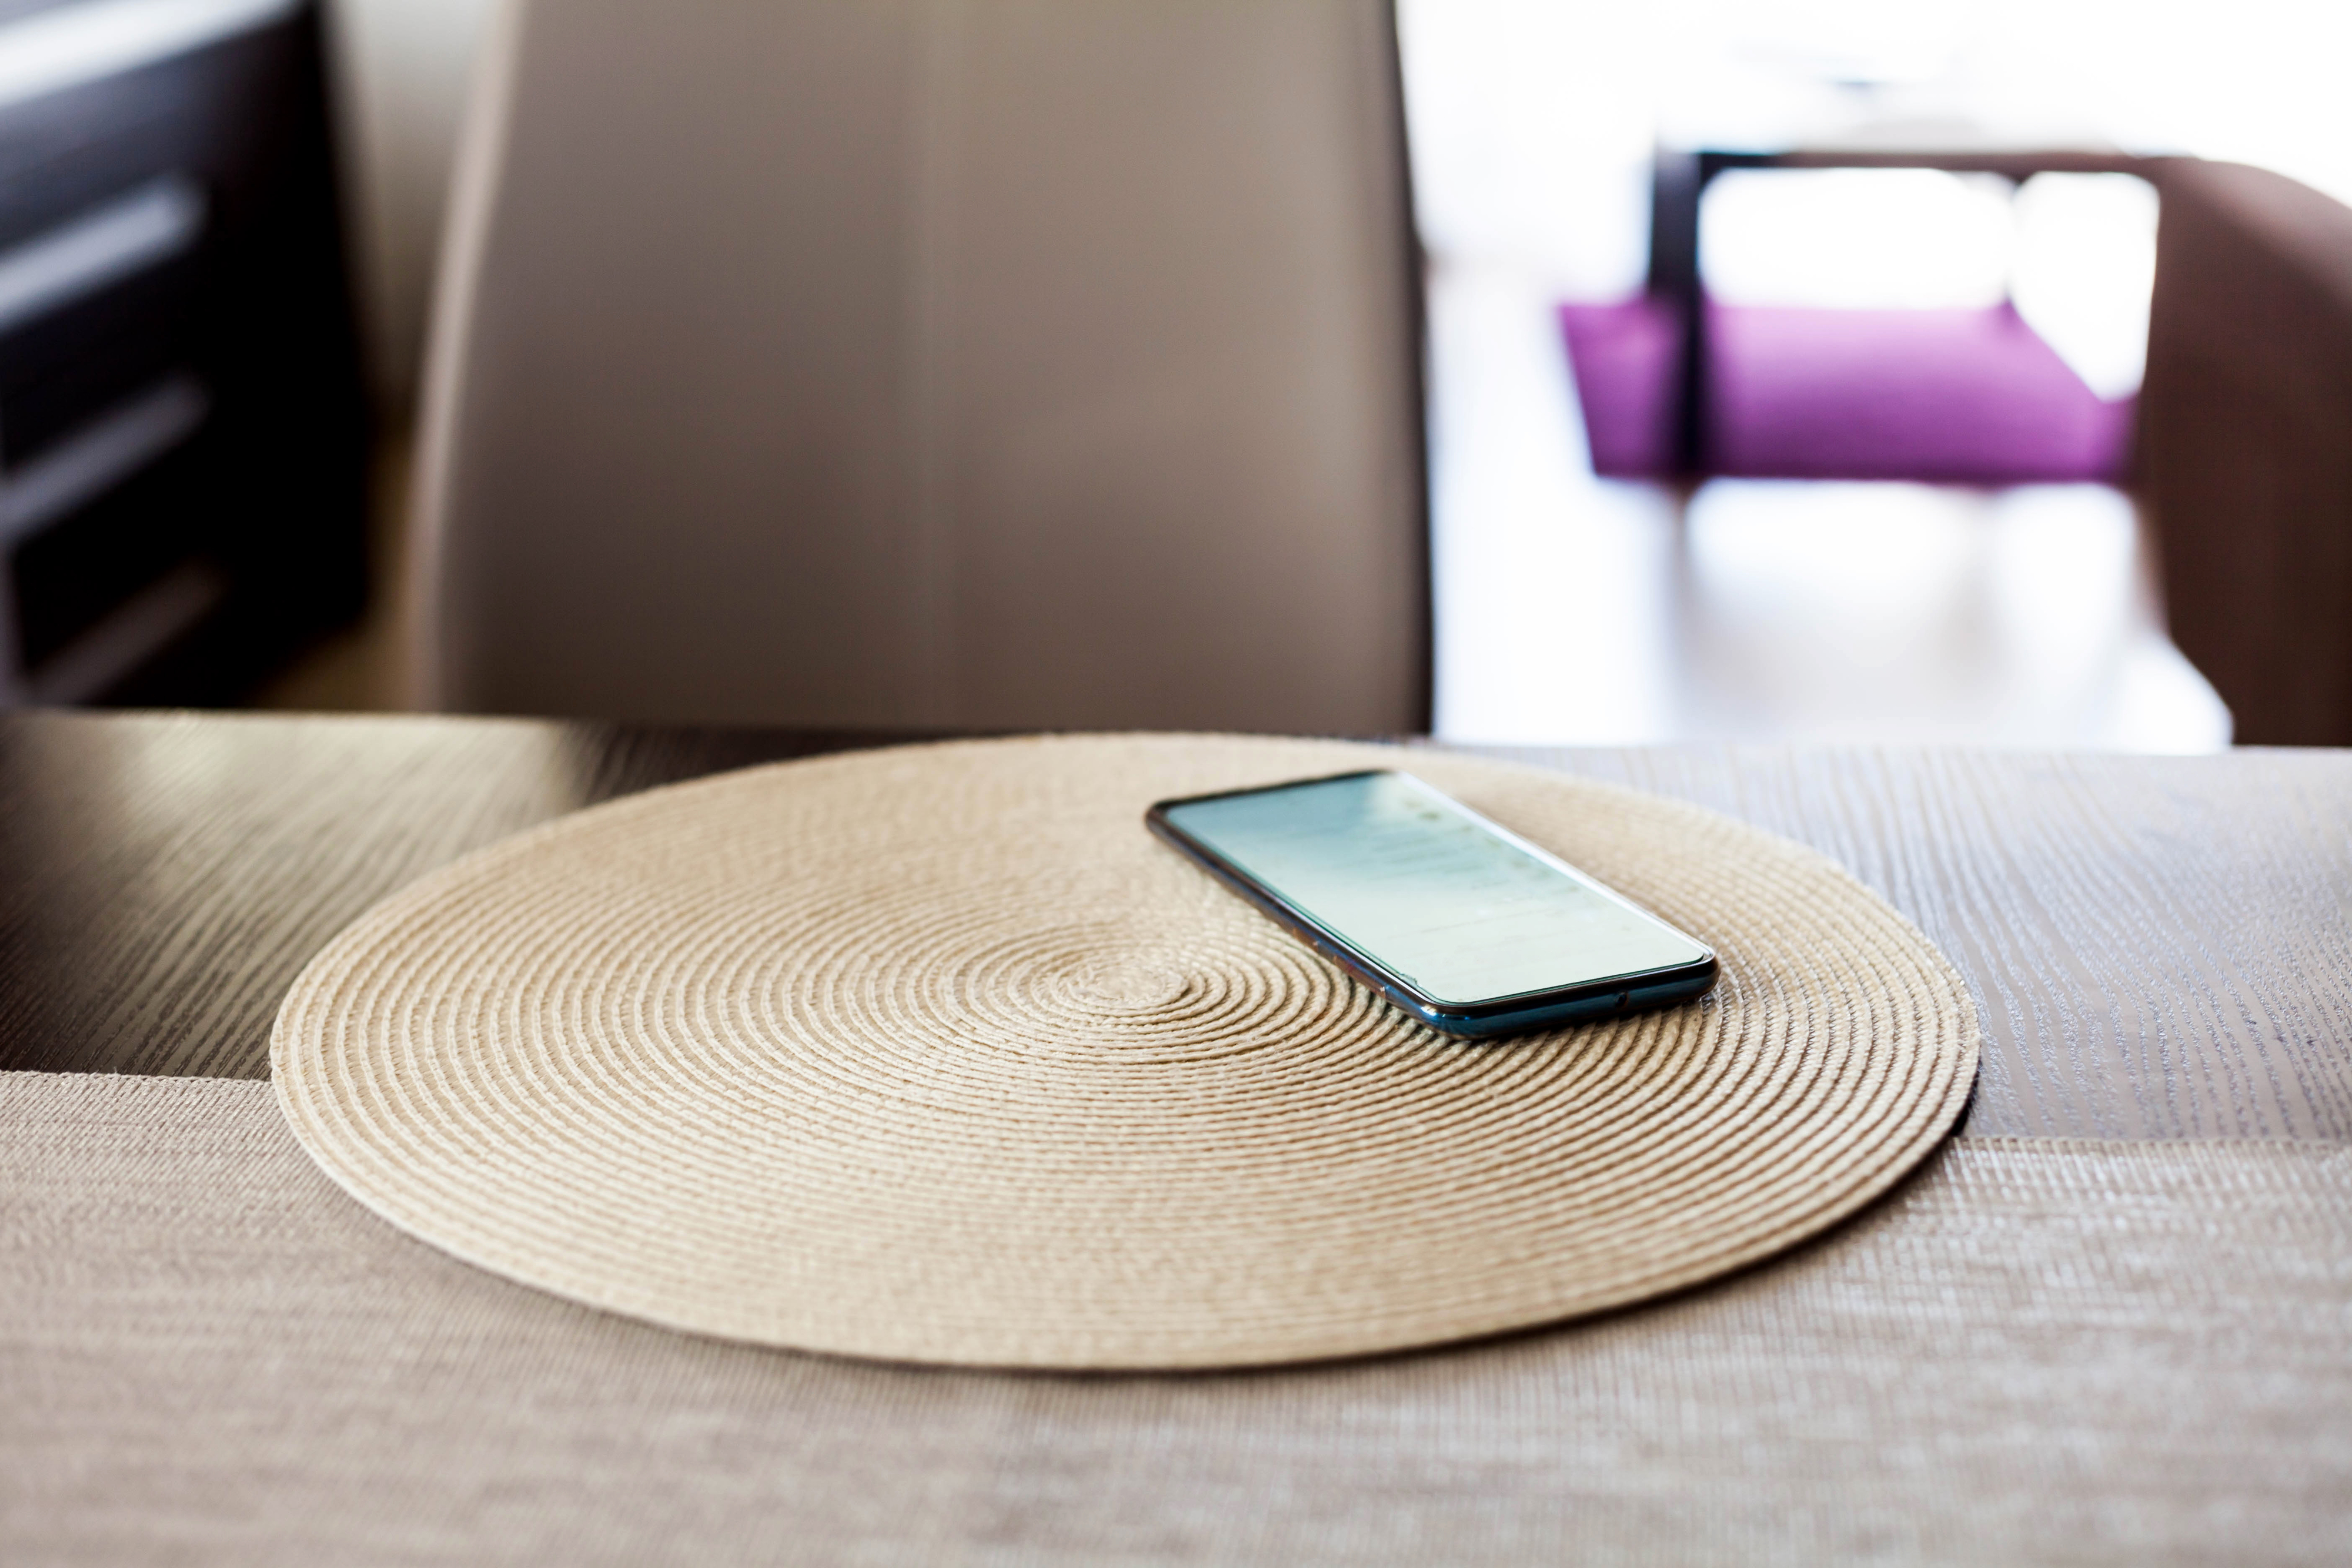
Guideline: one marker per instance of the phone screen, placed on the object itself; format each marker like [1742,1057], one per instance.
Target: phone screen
[1432,891]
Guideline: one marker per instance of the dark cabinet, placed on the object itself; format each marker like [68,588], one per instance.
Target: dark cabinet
[182,431]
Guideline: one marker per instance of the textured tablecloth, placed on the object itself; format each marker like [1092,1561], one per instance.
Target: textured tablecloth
[2038,1351]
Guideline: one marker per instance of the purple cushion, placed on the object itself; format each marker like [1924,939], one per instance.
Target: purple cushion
[1628,363]
[1968,396]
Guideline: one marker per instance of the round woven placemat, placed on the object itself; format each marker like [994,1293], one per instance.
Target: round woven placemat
[934,1055]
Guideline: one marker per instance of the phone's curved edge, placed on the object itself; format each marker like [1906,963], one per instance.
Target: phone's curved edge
[1586,1003]
[1583,1010]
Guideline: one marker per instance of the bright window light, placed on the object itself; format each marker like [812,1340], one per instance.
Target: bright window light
[2085,266]
[1887,239]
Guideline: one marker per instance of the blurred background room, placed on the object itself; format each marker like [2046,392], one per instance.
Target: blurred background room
[1527,372]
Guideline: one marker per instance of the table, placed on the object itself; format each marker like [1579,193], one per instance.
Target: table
[1678,186]
[2114,1321]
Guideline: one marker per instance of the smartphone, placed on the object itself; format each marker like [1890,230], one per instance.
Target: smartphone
[1456,919]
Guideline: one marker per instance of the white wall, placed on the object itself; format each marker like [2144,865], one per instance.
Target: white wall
[401,70]
[1535,116]
[1533,119]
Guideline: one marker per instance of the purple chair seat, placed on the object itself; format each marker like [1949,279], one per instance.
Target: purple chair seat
[1963,396]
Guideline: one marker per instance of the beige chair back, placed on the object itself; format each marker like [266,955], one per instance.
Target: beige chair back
[964,363]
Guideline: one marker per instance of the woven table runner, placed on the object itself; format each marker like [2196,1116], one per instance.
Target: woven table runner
[2035,1352]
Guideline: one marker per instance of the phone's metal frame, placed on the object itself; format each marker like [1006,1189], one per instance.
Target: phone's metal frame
[1604,998]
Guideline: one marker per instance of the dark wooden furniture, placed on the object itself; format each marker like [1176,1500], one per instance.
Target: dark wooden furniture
[167,875]
[2157,947]
[182,426]
[2246,444]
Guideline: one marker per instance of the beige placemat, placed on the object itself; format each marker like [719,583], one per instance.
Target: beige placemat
[2036,1353]
[934,1055]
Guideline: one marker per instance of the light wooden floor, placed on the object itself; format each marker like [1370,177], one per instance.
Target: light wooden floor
[1572,610]
[1577,610]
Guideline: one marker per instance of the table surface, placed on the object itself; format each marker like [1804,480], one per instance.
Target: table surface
[2158,946]
[2107,1326]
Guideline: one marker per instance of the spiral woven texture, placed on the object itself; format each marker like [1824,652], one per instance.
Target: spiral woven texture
[934,1055]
